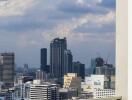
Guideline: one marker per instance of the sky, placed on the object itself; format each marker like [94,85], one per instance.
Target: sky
[28,25]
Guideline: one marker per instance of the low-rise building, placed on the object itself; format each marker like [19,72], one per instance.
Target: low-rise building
[44,91]
[66,94]
[103,93]
[71,80]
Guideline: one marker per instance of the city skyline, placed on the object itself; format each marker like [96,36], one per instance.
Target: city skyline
[29,26]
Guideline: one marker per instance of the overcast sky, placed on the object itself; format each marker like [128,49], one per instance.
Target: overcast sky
[28,25]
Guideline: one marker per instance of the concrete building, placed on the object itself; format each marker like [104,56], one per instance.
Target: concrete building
[103,93]
[67,93]
[87,85]
[22,91]
[7,65]
[98,82]
[71,80]
[40,75]
[44,91]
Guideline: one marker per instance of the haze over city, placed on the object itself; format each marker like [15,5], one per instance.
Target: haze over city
[89,25]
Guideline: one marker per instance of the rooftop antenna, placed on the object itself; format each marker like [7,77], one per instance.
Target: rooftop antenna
[108,56]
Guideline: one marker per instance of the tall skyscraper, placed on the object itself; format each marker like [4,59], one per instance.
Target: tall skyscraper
[7,67]
[57,48]
[68,58]
[43,59]
[79,68]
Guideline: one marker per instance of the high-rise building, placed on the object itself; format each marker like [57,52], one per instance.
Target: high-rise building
[68,58]
[79,68]
[57,48]
[7,67]
[44,59]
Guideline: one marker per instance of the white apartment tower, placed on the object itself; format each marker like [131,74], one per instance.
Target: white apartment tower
[44,91]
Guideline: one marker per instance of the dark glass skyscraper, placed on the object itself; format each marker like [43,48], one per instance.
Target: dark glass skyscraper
[68,58]
[57,48]
[43,59]
[79,68]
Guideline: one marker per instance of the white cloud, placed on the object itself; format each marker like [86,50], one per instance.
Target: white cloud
[15,7]
[25,41]
[98,20]
[81,2]
[88,2]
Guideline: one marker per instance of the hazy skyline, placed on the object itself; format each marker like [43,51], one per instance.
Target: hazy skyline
[26,27]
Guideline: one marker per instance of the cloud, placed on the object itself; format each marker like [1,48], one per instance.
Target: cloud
[97,20]
[25,42]
[111,4]
[81,6]
[15,7]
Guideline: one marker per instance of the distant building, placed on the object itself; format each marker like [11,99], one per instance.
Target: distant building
[100,67]
[71,80]
[39,75]
[7,65]
[25,69]
[105,70]
[57,48]
[79,68]
[68,59]
[43,59]
[99,62]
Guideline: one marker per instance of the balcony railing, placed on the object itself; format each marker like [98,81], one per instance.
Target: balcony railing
[110,98]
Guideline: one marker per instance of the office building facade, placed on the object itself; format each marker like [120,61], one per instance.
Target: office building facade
[104,93]
[44,91]
[57,48]
[68,59]
[79,68]
[7,65]
[43,59]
